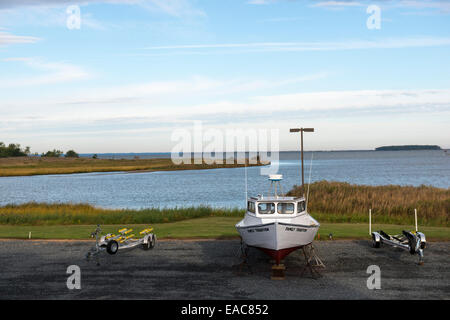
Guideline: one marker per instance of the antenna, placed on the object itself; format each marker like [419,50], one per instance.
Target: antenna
[310,170]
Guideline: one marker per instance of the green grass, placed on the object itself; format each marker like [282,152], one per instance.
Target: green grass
[210,227]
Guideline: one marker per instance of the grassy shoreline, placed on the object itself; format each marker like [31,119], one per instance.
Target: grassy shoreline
[330,202]
[341,209]
[29,166]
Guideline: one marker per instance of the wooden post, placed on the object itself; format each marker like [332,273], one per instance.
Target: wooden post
[303,170]
[301,130]
[415,218]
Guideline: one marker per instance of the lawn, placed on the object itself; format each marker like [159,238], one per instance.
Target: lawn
[210,227]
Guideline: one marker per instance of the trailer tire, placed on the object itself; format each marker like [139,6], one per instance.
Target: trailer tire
[151,242]
[112,247]
[375,243]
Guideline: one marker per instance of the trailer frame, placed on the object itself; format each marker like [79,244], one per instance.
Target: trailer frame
[412,241]
[112,243]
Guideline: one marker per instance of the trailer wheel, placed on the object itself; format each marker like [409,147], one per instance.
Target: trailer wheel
[375,243]
[112,247]
[150,242]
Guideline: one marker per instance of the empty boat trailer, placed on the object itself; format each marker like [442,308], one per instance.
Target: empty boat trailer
[412,241]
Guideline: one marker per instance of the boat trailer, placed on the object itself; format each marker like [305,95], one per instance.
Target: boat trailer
[412,241]
[112,243]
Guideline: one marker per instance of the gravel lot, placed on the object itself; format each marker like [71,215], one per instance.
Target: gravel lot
[205,270]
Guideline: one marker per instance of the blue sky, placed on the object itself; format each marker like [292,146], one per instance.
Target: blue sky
[138,69]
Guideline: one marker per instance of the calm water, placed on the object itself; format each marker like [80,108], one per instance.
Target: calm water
[226,187]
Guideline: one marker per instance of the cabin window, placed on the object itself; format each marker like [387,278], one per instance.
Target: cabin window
[251,206]
[266,208]
[285,208]
[301,206]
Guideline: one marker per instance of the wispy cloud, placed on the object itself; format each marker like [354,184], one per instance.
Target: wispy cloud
[177,8]
[389,43]
[440,5]
[8,38]
[337,4]
[172,102]
[260,2]
[53,72]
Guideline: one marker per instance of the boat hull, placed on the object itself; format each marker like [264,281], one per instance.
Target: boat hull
[277,239]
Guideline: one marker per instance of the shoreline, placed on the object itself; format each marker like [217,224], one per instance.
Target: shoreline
[34,166]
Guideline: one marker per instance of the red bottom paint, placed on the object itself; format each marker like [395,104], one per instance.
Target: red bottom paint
[278,255]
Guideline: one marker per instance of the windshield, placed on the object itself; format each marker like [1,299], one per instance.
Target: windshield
[266,208]
[301,206]
[285,208]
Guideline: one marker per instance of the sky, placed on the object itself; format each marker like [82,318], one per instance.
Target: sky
[137,70]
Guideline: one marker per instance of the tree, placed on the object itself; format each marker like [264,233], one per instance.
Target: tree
[71,154]
[94,156]
[54,154]
[13,150]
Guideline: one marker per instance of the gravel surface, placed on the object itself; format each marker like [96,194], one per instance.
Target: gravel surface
[207,270]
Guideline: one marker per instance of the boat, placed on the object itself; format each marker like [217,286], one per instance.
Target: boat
[277,224]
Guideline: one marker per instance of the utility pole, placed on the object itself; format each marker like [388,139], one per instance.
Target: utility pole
[301,130]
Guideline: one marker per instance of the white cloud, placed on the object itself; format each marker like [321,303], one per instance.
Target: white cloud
[54,72]
[334,4]
[111,108]
[8,38]
[387,43]
[260,2]
[171,7]
[134,112]
[441,5]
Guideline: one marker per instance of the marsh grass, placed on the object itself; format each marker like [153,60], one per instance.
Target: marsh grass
[331,202]
[391,204]
[76,214]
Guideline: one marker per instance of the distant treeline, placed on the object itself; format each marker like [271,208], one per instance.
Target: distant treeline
[408,147]
[14,150]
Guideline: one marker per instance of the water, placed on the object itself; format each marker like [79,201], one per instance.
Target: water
[226,187]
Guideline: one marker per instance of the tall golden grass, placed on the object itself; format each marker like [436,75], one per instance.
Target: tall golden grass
[329,202]
[75,214]
[344,202]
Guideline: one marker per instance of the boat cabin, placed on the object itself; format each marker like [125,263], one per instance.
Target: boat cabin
[275,206]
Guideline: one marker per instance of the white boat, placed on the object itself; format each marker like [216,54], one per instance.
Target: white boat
[276,224]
